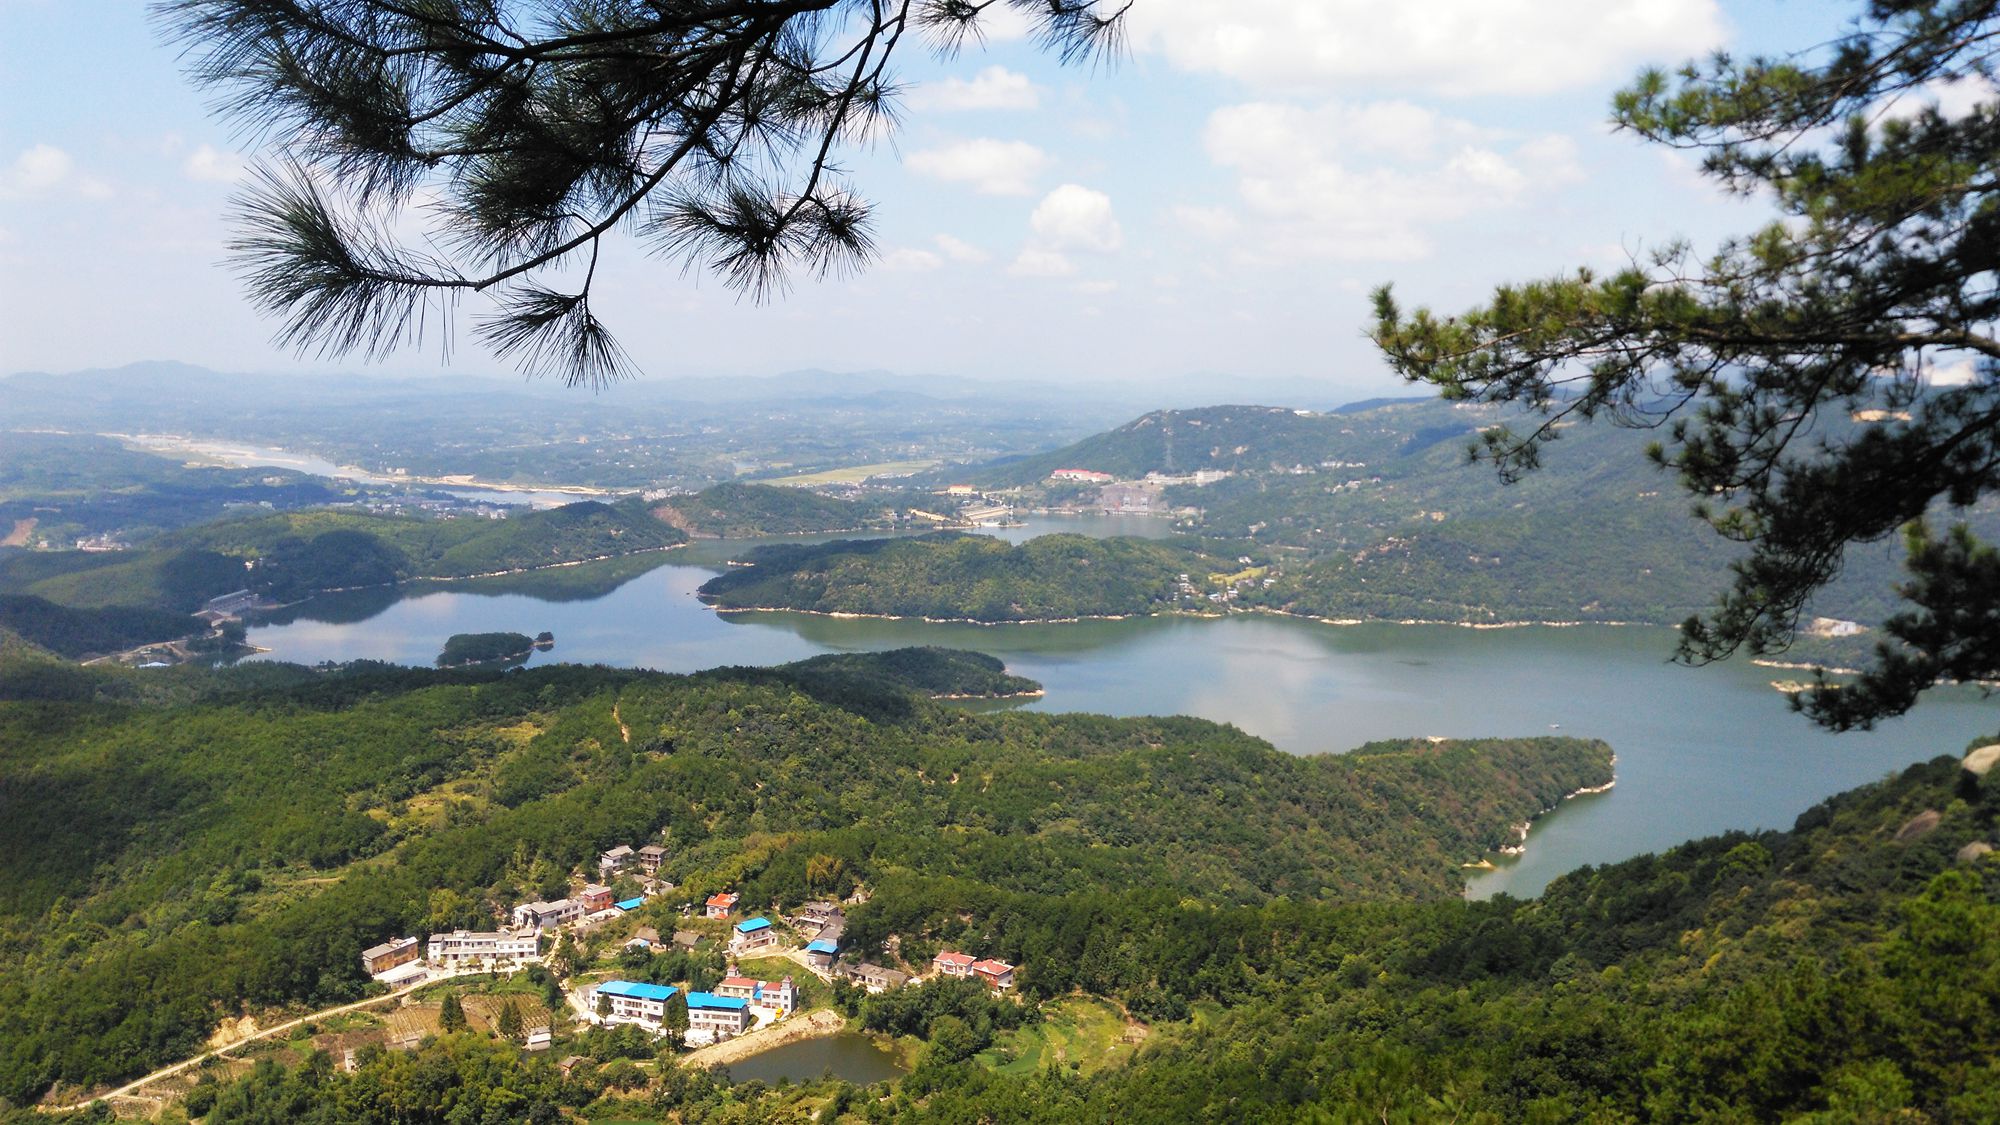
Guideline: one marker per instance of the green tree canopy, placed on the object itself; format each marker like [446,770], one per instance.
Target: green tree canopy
[451,1016]
[711,129]
[1794,373]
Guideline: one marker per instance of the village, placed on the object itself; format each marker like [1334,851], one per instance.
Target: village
[541,936]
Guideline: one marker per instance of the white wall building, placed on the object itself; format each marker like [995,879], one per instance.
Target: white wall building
[468,949]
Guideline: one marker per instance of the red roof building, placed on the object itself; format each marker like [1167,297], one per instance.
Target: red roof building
[999,974]
[953,964]
[720,905]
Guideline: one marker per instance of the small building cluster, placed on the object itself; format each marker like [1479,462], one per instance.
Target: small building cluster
[996,974]
[782,997]
[465,949]
[872,977]
[396,960]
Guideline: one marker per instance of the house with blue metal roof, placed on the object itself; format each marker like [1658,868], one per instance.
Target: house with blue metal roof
[634,1002]
[753,933]
[821,952]
[630,904]
[712,1018]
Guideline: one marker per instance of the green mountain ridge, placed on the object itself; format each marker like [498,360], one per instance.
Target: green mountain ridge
[170,864]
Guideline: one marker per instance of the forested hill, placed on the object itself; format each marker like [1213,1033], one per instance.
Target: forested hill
[738,510]
[1278,930]
[166,866]
[952,576]
[326,548]
[1183,441]
[1375,513]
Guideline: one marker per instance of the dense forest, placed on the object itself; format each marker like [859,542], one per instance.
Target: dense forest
[171,863]
[1841,971]
[954,575]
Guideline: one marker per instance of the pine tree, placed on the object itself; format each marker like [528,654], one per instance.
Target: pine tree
[451,1016]
[712,129]
[1790,372]
[510,1020]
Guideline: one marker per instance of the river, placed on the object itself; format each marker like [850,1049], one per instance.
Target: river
[1700,750]
[241,455]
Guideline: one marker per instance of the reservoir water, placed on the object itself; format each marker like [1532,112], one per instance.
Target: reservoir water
[846,1055]
[1700,750]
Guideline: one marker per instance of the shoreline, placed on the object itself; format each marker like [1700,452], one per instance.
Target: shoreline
[847,615]
[817,1024]
[1197,614]
[1522,830]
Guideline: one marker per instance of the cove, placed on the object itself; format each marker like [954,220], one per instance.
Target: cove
[1700,750]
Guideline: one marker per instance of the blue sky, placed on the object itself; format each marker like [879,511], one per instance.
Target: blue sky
[1218,202]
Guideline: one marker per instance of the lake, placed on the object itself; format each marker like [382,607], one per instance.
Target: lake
[847,1055]
[1700,750]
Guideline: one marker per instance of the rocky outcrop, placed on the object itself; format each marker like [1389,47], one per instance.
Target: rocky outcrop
[1919,826]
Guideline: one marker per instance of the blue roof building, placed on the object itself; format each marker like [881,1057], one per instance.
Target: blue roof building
[823,946]
[710,1002]
[630,904]
[753,925]
[634,990]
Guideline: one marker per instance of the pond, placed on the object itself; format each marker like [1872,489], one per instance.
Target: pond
[847,1055]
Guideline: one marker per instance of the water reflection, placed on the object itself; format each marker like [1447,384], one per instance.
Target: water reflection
[1700,750]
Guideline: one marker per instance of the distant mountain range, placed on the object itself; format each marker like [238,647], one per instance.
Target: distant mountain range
[187,382]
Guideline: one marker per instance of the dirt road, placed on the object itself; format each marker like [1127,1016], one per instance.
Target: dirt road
[131,1089]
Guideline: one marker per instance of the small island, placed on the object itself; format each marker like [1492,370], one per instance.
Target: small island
[464,650]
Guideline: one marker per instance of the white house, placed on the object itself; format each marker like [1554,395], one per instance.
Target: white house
[752,933]
[716,1017]
[545,915]
[634,1003]
[467,949]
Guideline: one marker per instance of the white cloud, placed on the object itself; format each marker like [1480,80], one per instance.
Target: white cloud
[36,171]
[959,250]
[993,167]
[909,260]
[1308,188]
[1070,220]
[1073,217]
[212,165]
[996,87]
[43,170]
[1035,262]
[1457,47]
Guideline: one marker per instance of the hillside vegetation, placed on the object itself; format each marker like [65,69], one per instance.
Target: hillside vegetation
[953,575]
[1374,513]
[1267,921]
[170,865]
[77,485]
[80,602]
